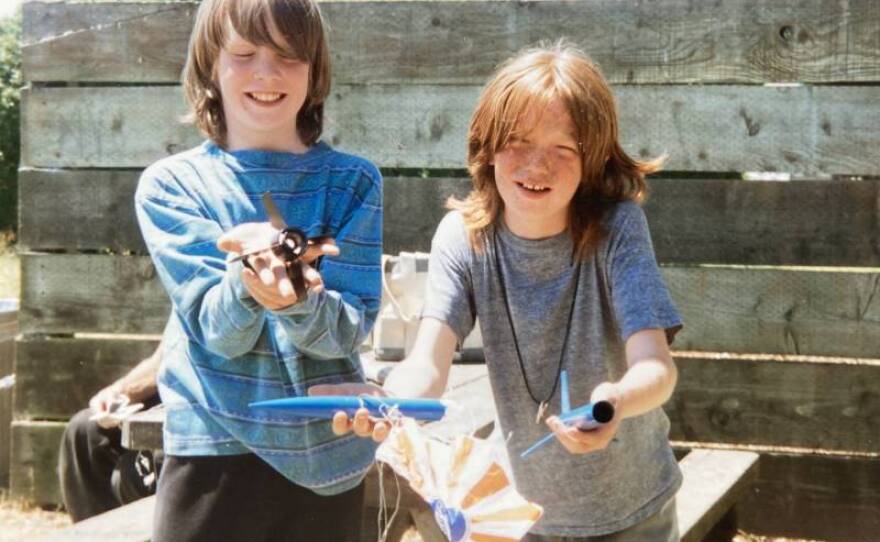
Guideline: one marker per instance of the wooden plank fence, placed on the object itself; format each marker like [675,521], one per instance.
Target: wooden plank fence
[8,331]
[778,282]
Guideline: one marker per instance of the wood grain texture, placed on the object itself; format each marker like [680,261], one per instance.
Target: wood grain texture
[33,475]
[818,498]
[55,378]
[824,405]
[714,481]
[78,210]
[829,223]
[91,293]
[810,311]
[682,41]
[8,331]
[87,210]
[803,404]
[807,131]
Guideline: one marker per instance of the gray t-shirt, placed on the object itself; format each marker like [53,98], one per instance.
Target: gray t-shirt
[620,291]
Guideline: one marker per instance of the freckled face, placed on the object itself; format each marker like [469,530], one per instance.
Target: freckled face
[537,173]
[262,92]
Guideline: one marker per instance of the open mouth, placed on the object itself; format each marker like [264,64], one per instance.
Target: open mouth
[267,98]
[534,188]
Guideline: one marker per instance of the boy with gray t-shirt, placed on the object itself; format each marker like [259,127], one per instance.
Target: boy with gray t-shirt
[552,252]
[617,293]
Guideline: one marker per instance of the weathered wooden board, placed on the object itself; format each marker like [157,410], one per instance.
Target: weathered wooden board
[810,311]
[8,331]
[78,210]
[94,210]
[801,130]
[57,377]
[805,311]
[33,475]
[692,220]
[443,42]
[714,481]
[132,522]
[827,405]
[835,499]
[91,293]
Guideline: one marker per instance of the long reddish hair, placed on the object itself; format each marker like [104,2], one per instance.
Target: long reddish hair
[531,81]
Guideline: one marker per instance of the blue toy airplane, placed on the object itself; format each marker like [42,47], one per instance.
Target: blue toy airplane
[585,417]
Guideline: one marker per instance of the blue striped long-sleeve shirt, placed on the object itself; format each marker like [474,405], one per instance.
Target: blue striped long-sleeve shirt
[222,349]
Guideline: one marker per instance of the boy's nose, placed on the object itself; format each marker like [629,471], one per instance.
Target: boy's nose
[537,161]
[267,67]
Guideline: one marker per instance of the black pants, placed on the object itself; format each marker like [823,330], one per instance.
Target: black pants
[241,498]
[96,473]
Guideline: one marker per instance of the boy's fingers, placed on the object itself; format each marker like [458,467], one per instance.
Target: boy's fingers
[267,277]
[311,277]
[285,287]
[380,431]
[326,248]
[227,243]
[361,424]
[251,280]
[340,424]
[570,437]
[310,274]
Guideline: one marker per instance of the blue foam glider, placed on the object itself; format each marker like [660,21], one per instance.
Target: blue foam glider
[325,406]
[585,417]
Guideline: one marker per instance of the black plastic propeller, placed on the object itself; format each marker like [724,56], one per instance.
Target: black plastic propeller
[290,245]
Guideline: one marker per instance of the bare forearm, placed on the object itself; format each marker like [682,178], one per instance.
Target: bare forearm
[140,382]
[425,371]
[415,378]
[646,385]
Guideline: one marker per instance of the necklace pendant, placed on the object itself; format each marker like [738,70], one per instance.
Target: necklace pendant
[542,408]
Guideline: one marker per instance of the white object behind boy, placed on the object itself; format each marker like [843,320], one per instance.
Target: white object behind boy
[403,296]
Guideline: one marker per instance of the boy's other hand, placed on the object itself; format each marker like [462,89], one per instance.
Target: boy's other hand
[103,403]
[267,280]
[362,424]
[577,441]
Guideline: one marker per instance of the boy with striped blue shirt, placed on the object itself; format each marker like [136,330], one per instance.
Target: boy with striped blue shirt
[256,78]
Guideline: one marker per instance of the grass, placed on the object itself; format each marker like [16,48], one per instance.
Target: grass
[10,278]
[22,521]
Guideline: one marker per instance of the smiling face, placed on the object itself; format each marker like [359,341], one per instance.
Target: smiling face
[538,172]
[262,91]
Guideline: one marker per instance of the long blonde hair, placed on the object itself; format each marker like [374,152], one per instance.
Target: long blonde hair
[530,81]
[299,24]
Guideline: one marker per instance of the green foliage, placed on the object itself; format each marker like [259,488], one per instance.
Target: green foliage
[10,93]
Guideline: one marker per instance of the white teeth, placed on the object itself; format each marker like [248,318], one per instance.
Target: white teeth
[534,187]
[265,96]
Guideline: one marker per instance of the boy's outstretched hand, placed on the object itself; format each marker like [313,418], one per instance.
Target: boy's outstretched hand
[362,424]
[577,441]
[268,282]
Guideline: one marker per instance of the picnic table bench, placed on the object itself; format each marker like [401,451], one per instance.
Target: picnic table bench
[714,480]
